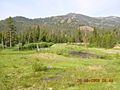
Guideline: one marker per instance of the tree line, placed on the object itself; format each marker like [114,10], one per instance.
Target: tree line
[9,37]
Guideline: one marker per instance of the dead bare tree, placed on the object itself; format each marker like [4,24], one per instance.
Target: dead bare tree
[85,30]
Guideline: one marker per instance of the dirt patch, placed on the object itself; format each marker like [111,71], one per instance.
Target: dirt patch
[84,54]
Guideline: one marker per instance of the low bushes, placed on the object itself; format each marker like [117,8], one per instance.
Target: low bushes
[31,46]
[38,66]
[1,46]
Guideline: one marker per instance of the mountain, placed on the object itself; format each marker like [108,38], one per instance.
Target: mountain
[68,21]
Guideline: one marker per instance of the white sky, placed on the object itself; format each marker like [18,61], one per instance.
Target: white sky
[45,8]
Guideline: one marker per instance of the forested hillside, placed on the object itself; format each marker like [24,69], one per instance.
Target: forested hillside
[60,29]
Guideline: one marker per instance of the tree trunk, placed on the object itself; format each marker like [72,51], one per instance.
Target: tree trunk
[2,41]
[10,39]
[38,49]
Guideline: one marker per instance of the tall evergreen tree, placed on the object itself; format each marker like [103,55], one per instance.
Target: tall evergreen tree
[10,32]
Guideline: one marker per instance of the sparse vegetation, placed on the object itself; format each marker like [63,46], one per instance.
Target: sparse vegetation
[55,68]
[38,66]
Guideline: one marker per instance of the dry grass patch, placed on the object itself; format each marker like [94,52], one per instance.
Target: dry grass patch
[95,68]
[49,56]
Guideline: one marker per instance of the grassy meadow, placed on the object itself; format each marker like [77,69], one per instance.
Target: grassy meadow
[60,67]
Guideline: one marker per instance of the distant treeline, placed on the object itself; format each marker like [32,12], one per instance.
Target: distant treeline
[9,36]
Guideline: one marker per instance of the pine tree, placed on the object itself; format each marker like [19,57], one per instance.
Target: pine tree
[0,37]
[94,39]
[10,33]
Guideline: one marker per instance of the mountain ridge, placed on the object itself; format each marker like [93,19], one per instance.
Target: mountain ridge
[69,20]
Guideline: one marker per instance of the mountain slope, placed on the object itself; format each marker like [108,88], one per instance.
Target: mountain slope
[70,20]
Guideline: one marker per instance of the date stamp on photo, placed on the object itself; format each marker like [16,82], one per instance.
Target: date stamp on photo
[103,80]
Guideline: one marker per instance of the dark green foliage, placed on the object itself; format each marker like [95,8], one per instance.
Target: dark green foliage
[9,33]
[0,37]
[31,46]
[106,39]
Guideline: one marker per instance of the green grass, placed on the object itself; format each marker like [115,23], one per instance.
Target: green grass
[55,68]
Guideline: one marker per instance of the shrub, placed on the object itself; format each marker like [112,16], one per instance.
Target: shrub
[38,66]
[31,46]
[18,46]
[1,46]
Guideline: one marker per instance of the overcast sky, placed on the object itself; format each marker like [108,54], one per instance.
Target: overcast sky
[45,8]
